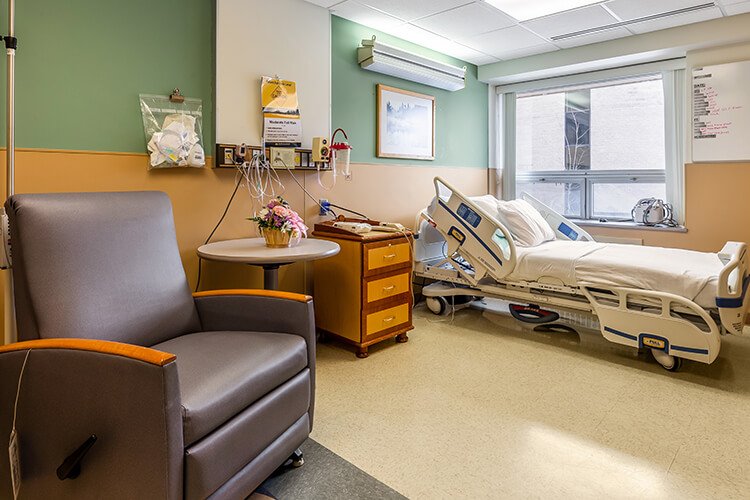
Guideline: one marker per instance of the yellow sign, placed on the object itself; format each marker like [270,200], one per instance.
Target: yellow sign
[279,96]
[656,343]
[282,125]
[457,234]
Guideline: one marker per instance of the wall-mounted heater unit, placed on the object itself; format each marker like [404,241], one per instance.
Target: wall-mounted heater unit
[389,60]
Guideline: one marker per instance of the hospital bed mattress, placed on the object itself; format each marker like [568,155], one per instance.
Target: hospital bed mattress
[689,274]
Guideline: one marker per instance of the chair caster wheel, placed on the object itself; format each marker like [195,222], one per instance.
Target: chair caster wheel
[297,460]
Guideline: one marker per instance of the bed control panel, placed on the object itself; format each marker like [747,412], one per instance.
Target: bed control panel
[469,215]
[567,231]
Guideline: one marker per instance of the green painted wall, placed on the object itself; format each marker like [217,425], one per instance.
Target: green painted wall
[82,63]
[461,121]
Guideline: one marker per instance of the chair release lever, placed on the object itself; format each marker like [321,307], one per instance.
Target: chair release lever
[71,466]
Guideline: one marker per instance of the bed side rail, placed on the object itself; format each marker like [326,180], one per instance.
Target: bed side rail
[733,300]
[660,326]
[563,227]
[474,234]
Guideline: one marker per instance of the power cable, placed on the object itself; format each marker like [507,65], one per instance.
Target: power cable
[226,210]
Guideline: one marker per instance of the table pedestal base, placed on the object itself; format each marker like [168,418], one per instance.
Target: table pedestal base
[271,276]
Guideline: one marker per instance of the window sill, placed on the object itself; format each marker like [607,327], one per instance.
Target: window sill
[629,225]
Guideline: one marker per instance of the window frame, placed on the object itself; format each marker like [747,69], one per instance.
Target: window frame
[587,179]
[673,80]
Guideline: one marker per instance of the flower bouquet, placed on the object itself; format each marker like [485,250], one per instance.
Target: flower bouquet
[279,224]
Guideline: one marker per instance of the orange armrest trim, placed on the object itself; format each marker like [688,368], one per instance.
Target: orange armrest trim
[276,294]
[145,354]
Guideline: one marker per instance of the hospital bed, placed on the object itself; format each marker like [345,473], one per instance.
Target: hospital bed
[677,303]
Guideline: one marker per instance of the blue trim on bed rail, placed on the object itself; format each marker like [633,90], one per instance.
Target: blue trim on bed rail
[468,228]
[621,334]
[690,349]
[667,346]
[734,303]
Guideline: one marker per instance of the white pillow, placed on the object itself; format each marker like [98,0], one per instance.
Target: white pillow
[525,223]
[488,203]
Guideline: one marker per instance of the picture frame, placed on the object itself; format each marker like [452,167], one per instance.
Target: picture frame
[405,124]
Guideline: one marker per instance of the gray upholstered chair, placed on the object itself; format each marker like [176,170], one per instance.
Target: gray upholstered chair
[190,396]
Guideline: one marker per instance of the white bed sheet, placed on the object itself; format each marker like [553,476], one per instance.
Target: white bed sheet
[689,274]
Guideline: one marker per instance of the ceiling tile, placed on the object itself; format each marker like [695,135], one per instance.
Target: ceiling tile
[677,20]
[507,55]
[425,38]
[737,8]
[361,14]
[467,54]
[602,36]
[409,10]
[419,36]
[568,22]
[466,21]
[485,59]
[632,9]
[325,3]
[504,40]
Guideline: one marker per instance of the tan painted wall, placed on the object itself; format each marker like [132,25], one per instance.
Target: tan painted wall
[387,192]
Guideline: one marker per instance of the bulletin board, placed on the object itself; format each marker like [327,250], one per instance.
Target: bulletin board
[721,112]
[285,38]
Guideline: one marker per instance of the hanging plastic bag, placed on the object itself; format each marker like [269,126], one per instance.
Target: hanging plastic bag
[174,131]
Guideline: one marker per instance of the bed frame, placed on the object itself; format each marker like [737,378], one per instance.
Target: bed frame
[454,231]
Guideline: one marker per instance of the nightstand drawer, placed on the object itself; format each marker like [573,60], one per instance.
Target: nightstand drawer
[388,318]
[384,288]
[379,257]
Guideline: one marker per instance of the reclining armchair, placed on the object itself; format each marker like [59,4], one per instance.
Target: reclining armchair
[188,395]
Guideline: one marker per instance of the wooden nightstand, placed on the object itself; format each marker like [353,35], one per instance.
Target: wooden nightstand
[363,295]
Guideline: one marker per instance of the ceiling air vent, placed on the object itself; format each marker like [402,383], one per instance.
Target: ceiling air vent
[606,27]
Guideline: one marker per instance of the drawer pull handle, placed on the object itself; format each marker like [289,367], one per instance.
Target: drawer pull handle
[389,256]
[389,288]
[389,319]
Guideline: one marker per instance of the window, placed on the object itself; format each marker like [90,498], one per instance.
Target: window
[592,150]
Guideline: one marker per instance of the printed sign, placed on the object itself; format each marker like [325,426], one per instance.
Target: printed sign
[282,124]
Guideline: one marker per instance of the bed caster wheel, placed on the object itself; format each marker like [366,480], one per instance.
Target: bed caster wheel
[667,361]
[297,460]
[438,305]
[676,365]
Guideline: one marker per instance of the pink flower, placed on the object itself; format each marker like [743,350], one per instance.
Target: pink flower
[277,214]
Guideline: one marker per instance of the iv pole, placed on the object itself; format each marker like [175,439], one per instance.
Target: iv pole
[11,44]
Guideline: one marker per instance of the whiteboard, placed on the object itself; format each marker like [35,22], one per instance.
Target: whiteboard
[721,112]
[286,38]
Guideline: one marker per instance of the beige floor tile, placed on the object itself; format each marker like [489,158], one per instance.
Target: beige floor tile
[476,407]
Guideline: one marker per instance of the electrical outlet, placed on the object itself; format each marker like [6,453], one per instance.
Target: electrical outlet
[282,158]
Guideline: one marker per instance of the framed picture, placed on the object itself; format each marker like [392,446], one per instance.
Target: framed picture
[406,124]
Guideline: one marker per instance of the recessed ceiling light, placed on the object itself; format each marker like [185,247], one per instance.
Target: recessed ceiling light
[523,10]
